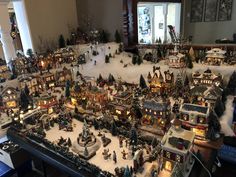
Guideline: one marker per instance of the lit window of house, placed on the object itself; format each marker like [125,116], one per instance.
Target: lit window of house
[150,110]
[168,155]
[178,158]
[160,113]
[155,113]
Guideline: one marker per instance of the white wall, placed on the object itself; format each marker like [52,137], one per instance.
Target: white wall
[50,18]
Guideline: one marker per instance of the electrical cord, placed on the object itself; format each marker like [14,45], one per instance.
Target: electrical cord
[201,163]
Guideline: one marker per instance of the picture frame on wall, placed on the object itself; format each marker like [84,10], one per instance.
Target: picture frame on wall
[225,10]
[210,10]
[196,10]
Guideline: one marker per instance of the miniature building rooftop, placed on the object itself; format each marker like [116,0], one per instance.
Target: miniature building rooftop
[194,108]
[156,106]
[174,137]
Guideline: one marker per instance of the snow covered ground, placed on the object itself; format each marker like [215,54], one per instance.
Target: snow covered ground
[54,134]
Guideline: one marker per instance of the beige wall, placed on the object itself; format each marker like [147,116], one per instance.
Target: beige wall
[50,18]
[105,14]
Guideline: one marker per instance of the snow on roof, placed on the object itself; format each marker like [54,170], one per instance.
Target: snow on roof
[187,107]
[216,53]
[182,135]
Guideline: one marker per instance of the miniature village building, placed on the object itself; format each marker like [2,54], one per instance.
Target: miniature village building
[158,85]
[195,118]
[120,112]
[48,80]
[208,78]
[47,102]
[205,96]
[156,114]
[63,76]
[96,95]
[20,65]
[33,83]
[176,151]
[215,56]
[123,98]
[176,60]
[9,98]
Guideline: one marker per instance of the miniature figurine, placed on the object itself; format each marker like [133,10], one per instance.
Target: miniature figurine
[114,157]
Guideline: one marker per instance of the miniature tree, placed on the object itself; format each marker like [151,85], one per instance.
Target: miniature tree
[111,78]
[142,82]
[69,142]
[61,42]
[178,83]
[214,126]
[188,61]
[76,110]
[104,36]
[117,37]
[99,79]
[127,172]
[107,59]
[67,90]
[219,107]
[68,42]
[30,53]
[186,81]
[136,108]
[120,48]
[24,101]
[134,59]
[232,83]
[139,60]
[113,128]
[95,124]
[133,136]
[26,90]
[154,142]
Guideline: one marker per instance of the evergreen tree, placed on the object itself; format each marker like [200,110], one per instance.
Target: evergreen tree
[134,59]
[154,142]
[113,128]
[213,126]
[117,37]
[120,48]
[107,59]
[219,107]
[68,42]
[133,136]
[26,90]
[95,124]
[111,78]
[188,61]
[61,41]
[232,83]
[69,142]
[186,81]
[127,172]
[178,83]
[24,101]
[104,37]
[67,90]
[30,53]
[142,82]
[139,60]
[99,79]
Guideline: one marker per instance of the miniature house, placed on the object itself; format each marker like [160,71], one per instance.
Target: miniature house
[156,114]
[195,118]
[48,80]
[176,156]
[208,78]
[160,85]
[33,83]
[96,95]
[20,65]
[215,56]
[46,102]
[176,60]
[119,111]
[122,98]
[63,76]
[9,98]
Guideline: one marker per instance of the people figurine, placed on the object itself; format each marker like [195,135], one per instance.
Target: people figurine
[121,141]
[95,62]
[124,154]
[114,157]
[126,142]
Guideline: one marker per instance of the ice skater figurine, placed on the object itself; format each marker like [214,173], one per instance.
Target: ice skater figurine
[114,157]
[95,62]
[121,141]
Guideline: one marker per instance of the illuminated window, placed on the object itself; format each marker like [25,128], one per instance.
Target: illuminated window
[146,110]
[155,113]
[178,158]
[168,155]
[160,113]
[118,112]
[150,110]
[128,112]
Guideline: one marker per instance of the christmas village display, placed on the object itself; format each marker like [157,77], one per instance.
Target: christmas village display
[145,127]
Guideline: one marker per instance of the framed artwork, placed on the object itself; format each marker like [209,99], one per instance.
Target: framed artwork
[225,10]
[210,10]
[196,10]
